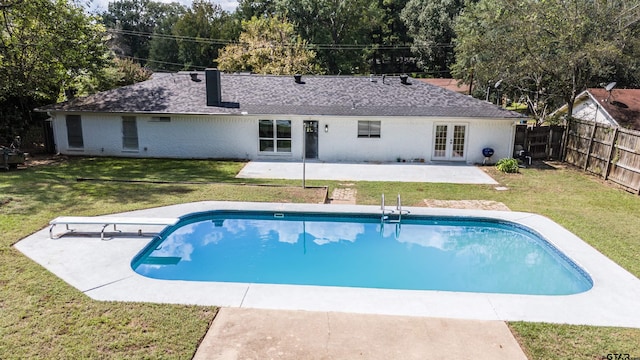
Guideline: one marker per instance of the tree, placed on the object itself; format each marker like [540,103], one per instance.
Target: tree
[340,30]
[201,32]
[119,72]
[268,46]
[44,45]
[390,52]
[163,47]
[548,50]
[247,9]
[131,23]
[430,23]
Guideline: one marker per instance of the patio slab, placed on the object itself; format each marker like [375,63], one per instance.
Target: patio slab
[453,173]
[238,333]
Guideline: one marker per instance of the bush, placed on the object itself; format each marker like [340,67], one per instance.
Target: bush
[508,165]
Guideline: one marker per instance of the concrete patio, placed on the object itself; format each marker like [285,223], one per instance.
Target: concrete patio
[454,173]
[292,335]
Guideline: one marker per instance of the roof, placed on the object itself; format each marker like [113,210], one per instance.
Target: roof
[449,84]
[623,105]
[270,94]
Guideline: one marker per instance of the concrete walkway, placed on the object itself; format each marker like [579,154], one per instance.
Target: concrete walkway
[276,334]
[400,172]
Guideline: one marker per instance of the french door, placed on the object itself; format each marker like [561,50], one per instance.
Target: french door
[449,142]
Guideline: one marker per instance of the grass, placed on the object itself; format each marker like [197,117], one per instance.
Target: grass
[43,317]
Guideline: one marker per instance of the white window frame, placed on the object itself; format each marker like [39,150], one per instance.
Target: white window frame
[130,134]
[75,139]
[369,129]
[278,141]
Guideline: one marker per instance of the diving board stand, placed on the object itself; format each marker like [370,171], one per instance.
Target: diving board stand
[106,221]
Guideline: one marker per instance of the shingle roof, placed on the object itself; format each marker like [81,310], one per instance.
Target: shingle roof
[268,94]
[622,104]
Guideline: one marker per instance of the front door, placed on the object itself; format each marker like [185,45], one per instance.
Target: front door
[449,142]
[311,139]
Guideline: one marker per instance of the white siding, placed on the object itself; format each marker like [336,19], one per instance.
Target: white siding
[182,137]
[589,110]
[410,138]
[191,136]
[405,138]
[496,134]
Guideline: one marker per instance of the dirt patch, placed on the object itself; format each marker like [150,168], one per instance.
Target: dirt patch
[43,159]
[466,204]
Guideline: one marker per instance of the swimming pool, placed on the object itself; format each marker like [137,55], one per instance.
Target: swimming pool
[102,271]
[360,250]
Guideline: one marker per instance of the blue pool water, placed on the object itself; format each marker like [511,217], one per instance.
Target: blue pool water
[421,253]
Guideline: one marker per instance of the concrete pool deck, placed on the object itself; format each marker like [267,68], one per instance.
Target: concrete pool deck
[102,270]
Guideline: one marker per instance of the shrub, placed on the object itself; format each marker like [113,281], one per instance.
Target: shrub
[508,165]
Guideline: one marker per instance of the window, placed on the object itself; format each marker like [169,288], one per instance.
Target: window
[368,129]
[129,133]
[74,131]
[275,136]
[160,119]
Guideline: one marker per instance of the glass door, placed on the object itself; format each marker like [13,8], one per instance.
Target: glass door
[449,142]
[311,139]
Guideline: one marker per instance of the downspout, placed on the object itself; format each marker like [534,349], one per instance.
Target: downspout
[55,132]
[512,142]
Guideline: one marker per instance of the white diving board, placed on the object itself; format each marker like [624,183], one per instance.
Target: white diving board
[106,221]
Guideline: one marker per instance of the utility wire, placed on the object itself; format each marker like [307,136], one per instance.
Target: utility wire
[162,62]
[423,45]
[200,67]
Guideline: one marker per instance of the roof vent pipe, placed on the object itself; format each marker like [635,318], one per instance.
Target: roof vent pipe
[194,77]
[214,94]
[404,79]
[298,79]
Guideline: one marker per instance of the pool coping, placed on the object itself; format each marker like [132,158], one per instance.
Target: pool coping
[102,270]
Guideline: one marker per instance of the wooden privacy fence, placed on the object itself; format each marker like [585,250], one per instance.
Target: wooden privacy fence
[611,152]
[542,142]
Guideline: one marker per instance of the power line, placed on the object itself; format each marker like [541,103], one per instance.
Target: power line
[312,46]
[171,36]
[199,67]
[162,62]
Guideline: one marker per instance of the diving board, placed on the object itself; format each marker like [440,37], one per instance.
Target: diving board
[106,221]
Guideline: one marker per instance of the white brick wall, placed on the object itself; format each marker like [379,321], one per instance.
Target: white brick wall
[197,136]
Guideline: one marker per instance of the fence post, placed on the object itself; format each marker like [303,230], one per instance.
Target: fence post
[547,147]
[593,134]
[565,140]
[611,152]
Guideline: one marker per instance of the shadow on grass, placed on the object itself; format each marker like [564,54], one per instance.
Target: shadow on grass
[152,169]
[543,165]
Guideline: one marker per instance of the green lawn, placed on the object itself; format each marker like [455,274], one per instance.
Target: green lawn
[43,317]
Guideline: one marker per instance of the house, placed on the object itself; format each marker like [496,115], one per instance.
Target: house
[246,116]
[616,107]
[449,84]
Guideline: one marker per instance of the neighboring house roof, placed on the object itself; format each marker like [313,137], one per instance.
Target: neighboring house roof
[269,94]
[449,84]
[621,107]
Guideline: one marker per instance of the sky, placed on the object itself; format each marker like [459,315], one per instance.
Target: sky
[101,5]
